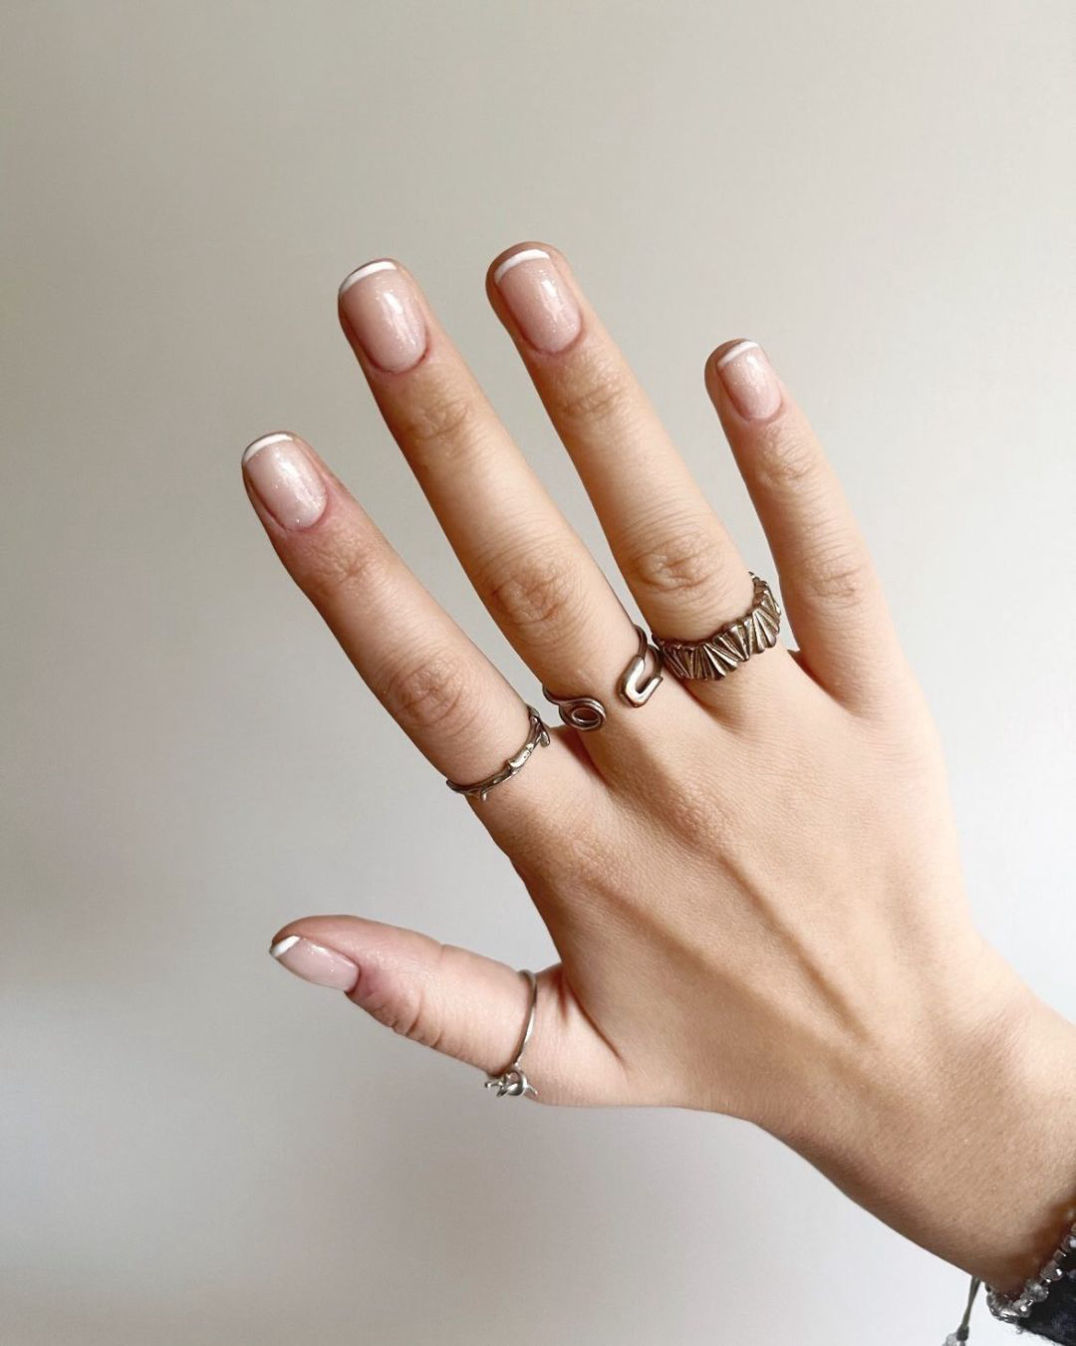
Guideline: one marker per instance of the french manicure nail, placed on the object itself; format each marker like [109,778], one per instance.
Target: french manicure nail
[750,380]
[285,480]
[324,967]
[539,299]
[380,305]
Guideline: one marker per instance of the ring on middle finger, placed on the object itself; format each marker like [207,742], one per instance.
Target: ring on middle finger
[633,687]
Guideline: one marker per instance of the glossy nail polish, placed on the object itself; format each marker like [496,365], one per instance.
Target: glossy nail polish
[312,962]
[285,480]
[749,380]
[539,299]
[381,309]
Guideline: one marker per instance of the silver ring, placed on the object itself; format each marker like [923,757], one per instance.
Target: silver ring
[581,712]
[631,687]
[511,1080]
[537,736]
[587,712]
[730,645]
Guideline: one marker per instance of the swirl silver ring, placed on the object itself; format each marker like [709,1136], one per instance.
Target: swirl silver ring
[537,736]
[511,1080]
[730,645]
[633,687]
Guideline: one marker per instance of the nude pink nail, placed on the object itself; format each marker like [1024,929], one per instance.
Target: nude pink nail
[381,308]
[285,480]
[312,962]
[539,299]
[749,380]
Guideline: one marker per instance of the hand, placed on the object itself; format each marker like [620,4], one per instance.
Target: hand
[753,883]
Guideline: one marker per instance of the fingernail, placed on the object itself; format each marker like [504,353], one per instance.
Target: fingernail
[539,299]
[285,480]
[382,309]
[324,967]
[749,380]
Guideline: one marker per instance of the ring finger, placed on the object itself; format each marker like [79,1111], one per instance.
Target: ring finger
[672,549]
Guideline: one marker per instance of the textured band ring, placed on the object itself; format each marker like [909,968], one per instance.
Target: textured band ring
[730,645]
[587,712]
[537,736]
[511,1080]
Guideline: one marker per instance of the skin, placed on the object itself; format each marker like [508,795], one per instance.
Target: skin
[753,885]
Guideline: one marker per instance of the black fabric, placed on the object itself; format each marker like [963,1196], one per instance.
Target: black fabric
[1055,1317]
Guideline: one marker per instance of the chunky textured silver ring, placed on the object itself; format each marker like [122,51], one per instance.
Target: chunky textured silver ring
[537,736]
[730,645]
[511,1080]
[587,712]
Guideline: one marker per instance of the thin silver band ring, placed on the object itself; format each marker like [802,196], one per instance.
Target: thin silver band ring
[537,737]
[511,1080]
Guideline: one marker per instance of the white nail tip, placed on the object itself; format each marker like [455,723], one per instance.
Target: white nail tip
[264,442]
[738,349]
[283,945]
[525,255]
[367,270]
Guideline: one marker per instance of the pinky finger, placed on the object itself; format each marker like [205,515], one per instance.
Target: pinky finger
[457,1002]
[828,580]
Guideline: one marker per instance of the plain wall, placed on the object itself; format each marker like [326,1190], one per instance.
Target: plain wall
[198,1149]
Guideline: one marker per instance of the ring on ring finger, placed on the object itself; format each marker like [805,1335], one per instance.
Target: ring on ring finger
[731,645]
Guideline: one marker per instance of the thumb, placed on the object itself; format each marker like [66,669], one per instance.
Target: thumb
[458,1003]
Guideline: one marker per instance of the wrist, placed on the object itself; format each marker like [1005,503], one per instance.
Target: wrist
[961,1137]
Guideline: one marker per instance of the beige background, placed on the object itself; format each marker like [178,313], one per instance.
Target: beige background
[197,1148]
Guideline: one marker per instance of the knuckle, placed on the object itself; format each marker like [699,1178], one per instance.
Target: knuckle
[684,561]
[787,461]
[336,569]
[432,694]
[596,396]
[838,573]
[403,1003]
[445,418]
[698,819]
[533,591]
[406,1013]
